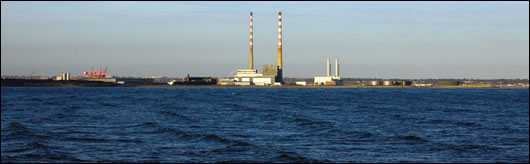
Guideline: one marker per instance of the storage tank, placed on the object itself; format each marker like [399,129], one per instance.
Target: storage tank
[374,83]
[387,83]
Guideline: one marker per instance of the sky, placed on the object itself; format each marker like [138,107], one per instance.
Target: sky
[474,40]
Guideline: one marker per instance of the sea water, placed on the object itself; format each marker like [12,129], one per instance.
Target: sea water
[46,124]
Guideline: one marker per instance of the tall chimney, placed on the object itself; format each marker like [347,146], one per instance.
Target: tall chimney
[328,66]
[280,40]
[251,63]
[337,67]
[280,66]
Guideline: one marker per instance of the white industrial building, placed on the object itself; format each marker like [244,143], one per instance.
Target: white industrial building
[64,76]
[329,80]
[246,74]
[301,83]
[268,77]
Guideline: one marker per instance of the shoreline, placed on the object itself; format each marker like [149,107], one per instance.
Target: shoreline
[272,87]
[52,83]
[294,86]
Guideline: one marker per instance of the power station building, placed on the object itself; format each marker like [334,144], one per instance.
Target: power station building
[272,74]
[329,80]
[64,76]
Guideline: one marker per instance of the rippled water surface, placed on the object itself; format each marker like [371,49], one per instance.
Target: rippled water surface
[264,125]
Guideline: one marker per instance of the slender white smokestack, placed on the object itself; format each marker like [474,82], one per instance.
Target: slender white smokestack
[329,68]
[337,67]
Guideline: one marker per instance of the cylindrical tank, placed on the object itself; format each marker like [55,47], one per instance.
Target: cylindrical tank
[374,83]
[387,83]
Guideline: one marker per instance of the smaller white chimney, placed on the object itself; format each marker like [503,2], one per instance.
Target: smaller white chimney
[329,68]
[337,67]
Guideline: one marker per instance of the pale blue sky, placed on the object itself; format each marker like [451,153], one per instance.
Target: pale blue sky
[371,39]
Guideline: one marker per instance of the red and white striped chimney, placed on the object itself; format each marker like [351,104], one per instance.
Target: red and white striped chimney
[280,40]
[251,63]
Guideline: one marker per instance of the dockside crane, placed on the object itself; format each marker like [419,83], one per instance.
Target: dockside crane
[96,75]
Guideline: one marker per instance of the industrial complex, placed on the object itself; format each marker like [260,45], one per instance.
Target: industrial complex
[329,80]
[271,75]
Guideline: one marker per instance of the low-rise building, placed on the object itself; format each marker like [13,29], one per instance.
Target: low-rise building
[323,79]
[301,83]
[269,76]
[421,85]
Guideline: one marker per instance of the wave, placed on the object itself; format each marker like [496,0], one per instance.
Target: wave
[437,147]
[110,105]
[16,131]
[295,157]
[410,139]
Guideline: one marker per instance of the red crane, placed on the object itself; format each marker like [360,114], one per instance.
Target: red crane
[96,75]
